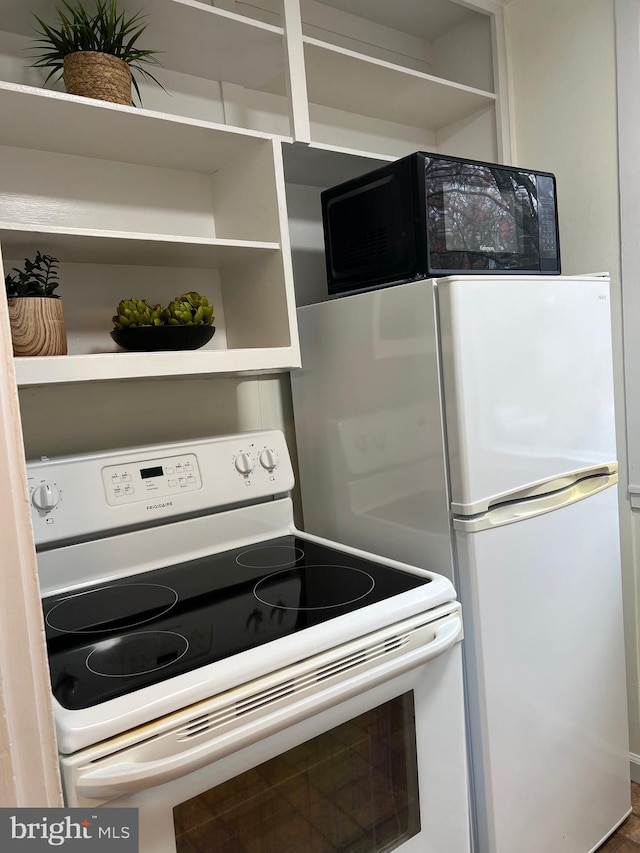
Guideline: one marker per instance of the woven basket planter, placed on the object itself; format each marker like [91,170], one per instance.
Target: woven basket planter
[37,325]
[97,75]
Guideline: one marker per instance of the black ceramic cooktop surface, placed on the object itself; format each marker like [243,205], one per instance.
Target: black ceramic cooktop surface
[109,640]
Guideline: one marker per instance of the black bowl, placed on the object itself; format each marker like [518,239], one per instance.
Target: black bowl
[151,338]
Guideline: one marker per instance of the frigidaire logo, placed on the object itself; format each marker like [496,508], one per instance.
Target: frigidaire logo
[151,507]
[27,830]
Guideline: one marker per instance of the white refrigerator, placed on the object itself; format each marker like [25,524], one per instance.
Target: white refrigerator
[466,425]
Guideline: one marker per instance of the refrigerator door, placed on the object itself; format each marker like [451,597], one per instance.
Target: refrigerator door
[544,655]
[527,379]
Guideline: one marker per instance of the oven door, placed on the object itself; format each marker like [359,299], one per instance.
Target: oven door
[368,756]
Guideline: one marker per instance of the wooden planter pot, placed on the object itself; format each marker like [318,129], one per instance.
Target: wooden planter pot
[97,75]
[37,325]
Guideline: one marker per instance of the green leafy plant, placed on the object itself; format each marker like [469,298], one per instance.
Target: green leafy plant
[189,309]
[39,277]
[137,312]
[106,31]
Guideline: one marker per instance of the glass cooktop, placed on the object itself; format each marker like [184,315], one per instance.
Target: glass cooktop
[109,640]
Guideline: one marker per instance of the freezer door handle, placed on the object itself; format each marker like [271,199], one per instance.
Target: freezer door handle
[533,490]
[513,511]
[162,759]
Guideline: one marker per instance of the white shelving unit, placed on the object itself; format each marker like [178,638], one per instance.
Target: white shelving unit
[136,203]
[394,78]
[214,185]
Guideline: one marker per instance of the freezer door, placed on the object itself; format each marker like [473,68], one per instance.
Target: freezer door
[528,383]
[545,669]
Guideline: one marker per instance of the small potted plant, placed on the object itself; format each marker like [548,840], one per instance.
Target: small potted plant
[35,311]
[95,53]
[186,323]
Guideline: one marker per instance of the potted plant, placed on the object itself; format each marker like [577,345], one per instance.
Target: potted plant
[35,311]
[95,53]
[186,323]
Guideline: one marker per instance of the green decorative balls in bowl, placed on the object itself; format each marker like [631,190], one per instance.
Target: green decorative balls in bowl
[185,324]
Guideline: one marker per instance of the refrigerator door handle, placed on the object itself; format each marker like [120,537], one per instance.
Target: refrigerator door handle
[513,511]
[533,490]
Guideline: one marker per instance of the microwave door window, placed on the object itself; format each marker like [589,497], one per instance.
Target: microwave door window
[481,218]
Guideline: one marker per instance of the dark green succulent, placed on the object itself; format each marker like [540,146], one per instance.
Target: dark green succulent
[106,31]
[190,309]
[39,277]
[137,312]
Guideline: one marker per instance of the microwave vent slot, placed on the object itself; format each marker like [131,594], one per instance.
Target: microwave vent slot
[360,249]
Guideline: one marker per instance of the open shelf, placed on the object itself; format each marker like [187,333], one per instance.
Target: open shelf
[450,40]
[65,124]
[212,61]
[202,41]
[91,246]
[248,283]
[38,370]
[354,83]
[191,37]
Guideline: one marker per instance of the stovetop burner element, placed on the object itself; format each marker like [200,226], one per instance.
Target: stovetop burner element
[314,587]
[111,608]
[270,557]
[136,654]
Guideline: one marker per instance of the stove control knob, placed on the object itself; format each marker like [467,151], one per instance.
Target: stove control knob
[45,497]
[268,459]
[244,464]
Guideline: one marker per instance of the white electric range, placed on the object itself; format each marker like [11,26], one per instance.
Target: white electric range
[207,658]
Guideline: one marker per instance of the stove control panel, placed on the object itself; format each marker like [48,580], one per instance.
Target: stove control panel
[153,478]
[77,497]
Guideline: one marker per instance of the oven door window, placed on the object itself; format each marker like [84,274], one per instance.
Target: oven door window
[352,789]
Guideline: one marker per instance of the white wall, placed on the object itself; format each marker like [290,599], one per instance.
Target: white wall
[562,68]
[562,73]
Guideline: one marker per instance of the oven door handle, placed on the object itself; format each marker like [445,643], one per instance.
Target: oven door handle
[130,772]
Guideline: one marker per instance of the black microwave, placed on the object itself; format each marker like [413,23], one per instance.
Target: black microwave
[428,215]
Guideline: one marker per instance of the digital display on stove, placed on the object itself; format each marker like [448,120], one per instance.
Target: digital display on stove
[111,639]
[145,473]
